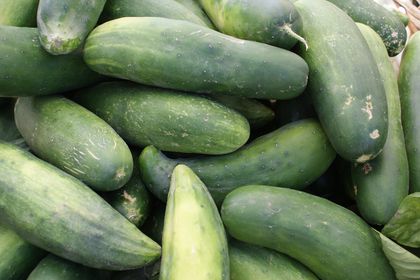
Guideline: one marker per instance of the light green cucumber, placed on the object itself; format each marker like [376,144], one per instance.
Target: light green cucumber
[18,12]
[195,7]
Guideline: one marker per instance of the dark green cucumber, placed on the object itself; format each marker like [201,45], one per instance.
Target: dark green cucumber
[150,8]
[181,55]
[75,140]
[292,156]
[249,262]
[194,244]
[330,240]
[63,25]
[8,129]
[409,86]
[56,212]
[170,120]
[383,182]
[344,81]
[18,257]
[18,12]
[386,23]
[294,109]
[195,7]
[26,69]
[153,227]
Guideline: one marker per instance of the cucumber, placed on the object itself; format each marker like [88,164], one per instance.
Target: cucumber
[8,129]
[18,12]
[150,8]
[63,25]
[195,7]
[249,262]
[386,23]
[273,22]
[409,86]
[58,213]
[75,140]
[294,109]
[18,257]
[194,244]
[344,82]
[181,55]
[383,182]
[153,227]
[26,69]
[170,120]
[330,240]
[292,156]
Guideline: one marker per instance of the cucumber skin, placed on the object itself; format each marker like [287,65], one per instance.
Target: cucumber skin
[33,191]
[194,244]
[261,21]
[75,140]
[383,182]
[193,58]
[172,121]
[18,12]
[409,86]
[344,81]
[63,25]
[195,7]
[332,241]
[386,23]
[18,257]
[280,158]
[39,73]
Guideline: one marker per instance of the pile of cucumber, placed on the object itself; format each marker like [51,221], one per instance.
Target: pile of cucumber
[208,140]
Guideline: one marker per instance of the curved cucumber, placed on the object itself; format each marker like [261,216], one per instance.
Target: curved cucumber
[409,86]
[63,25]
[249,262]
[170,120]
[58,213]
[292,157]
[268,21]
[330,240]
[181,55]
[345,84]
[26,69]
[195,7]
[194,244]
[18,257]
[383,182]
[18,12]
[75,140]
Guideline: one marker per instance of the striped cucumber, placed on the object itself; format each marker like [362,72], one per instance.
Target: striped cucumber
[194,244]
[181,55]
[195,7]
[344,82]
[292,156]
[18,12]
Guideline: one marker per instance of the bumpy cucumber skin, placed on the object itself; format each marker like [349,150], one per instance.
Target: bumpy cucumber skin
[194,244]
[344,81]
[386,23]
[195,7]
[291,157]
[18,12]
[409,86]
[262,21]
[249,262]
[58,213]
[330,240]
[26,69]
[75,140]
[18,257]
[382,183]
[181,55]
[170,120]
[63,25]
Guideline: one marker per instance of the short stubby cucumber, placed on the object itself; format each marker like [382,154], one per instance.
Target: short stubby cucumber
[330,240]
[274,22]
[58,213]
[75,140]
[381,184]
[409,86]
[26,69]
[344,82]
[195,7]
[194,244]
[292,156]
[171,120]
[63,25]
[18,12]
[181,55]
